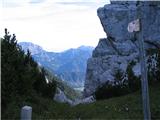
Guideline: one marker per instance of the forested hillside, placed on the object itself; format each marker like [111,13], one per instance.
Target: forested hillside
[22,80]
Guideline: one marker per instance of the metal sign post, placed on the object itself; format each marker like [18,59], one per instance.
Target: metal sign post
[136,26]
[144,77]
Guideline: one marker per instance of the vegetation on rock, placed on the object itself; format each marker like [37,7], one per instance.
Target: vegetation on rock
[124,85]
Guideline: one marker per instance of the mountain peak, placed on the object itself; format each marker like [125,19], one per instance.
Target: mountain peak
[34,49]
[83,47]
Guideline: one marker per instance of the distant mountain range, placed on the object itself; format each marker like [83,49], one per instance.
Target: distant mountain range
[70,65]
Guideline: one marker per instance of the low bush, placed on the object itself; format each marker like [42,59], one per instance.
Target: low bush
[122,85]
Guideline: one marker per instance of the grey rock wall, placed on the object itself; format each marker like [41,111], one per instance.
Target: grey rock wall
[121,47]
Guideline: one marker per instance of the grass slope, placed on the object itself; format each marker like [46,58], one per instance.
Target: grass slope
[124,107]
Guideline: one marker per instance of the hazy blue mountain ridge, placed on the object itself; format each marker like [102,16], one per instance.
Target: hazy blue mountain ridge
[69,65]
[35,49]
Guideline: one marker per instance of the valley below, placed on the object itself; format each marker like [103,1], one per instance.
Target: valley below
[69,66]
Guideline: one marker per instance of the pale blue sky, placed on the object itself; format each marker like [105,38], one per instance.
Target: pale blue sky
[56,25]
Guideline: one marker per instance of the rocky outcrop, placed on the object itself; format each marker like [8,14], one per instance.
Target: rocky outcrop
[61,97]
[86,100]
[121,47]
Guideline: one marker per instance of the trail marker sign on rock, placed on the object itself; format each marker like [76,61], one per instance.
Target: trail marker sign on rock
[134,26]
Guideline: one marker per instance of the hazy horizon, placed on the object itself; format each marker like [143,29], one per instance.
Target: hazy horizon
[55,25]
[57,51]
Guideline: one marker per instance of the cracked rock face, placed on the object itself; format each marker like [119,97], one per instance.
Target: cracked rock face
[121,47]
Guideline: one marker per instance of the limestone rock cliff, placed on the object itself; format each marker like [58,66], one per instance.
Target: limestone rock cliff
[121,47]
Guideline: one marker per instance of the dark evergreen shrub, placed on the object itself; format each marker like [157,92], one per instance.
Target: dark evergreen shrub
[134,82]
[21,79]
[158,66]
[153,63]
[50,89]
[122,85]
[112,89]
